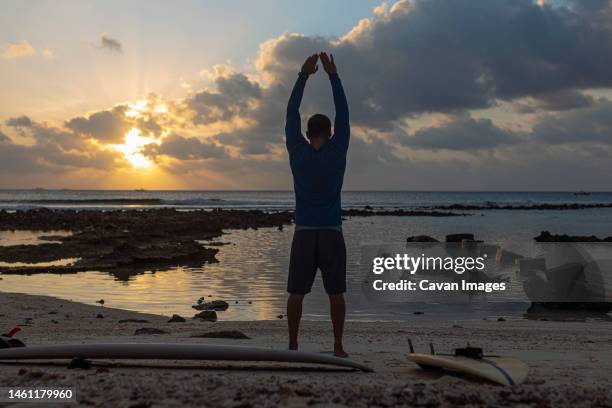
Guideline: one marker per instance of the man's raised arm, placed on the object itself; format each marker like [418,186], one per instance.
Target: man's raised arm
[342,130]
[293,126]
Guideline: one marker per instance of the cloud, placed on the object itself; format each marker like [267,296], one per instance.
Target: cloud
[420,57]
[17,50]
[21,121]
[53,150]
[234,96]
[110,44]
[106,126]
[563,100]
[48,53]
[461,133]
[592,124]
[184,148]
[436,56]
[42,133]
[469,94]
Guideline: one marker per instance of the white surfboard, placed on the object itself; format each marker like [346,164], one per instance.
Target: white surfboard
[500,370]
[165,351]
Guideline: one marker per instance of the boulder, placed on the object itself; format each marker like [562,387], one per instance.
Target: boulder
[216,305]
[223,334]
[459,237]
[149,330]
[421,238]
[176,319]
[207,316]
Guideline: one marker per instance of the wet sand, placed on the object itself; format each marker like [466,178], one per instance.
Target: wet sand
[569,361]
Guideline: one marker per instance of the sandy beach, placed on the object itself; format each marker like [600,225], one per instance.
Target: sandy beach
[569,361]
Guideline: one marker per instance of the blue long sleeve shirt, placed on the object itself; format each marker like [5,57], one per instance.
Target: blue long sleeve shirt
[317,174]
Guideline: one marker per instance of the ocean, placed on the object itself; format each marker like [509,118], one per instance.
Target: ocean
[252,269]
[112,199]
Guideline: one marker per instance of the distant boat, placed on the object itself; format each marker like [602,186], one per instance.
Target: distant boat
[582,193]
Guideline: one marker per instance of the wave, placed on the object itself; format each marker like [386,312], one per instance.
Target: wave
[87,201]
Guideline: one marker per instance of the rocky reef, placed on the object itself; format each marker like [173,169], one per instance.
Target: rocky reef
[125,242]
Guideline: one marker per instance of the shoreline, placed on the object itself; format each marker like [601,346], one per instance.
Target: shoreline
[130,242]
[568,362]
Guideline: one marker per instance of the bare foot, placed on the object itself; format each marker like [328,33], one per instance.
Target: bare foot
[339,351]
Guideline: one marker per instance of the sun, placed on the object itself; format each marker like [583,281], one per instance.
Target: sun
[132,146]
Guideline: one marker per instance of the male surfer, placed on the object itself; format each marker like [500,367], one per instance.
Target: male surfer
[318,172]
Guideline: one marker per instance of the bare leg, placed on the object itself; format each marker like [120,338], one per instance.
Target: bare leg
[338,311]
[294,315]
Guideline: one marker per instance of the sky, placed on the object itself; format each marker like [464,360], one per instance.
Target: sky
[462,95]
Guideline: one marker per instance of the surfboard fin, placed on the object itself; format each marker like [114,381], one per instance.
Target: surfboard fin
[431,349]
[7,340]
[411,346]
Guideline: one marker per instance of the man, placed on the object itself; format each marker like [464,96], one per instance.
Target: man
[318,172]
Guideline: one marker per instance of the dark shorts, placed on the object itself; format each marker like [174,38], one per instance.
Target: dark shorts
[317,248]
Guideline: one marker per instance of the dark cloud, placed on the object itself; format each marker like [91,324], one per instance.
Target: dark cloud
[429,56]
[184,148]
[108,126]
[564,100]
[255,140]
[439,56]
[110,44]
[461,133]
[43,133]
[54,151]
[588,125]
[234,96]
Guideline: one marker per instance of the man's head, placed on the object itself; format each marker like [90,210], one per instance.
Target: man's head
[319,130]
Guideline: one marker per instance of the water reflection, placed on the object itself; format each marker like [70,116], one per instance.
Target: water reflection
[26,237]
[253,270]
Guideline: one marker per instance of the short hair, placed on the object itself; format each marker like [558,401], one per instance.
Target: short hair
[319,124]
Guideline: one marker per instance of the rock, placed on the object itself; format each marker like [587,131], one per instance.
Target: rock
[207,315]
[176,319]
[546,236]
[79,363]
[459,237]
[133,321]
[501,319]
[223,334]
[149,330]
[418,313]
[216,305]
[99,316]
[421,238]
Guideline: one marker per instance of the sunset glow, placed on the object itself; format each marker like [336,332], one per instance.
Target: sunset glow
[132,149]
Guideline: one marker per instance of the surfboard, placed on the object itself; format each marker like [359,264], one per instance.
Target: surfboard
[165,351]
[500,370]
